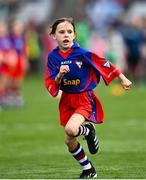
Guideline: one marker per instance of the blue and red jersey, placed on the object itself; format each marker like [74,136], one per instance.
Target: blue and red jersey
[7,52]
[5,48]
[5,44]
[19,45]
[86,68]
[14,54]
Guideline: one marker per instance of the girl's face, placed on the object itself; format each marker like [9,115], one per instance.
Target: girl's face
[3,29]
[17,28]
[65,35]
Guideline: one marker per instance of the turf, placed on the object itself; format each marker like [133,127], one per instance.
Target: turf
[32,141]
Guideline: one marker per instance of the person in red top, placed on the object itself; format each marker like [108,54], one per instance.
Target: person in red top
[13,64]
[76,71]
[17,74]
[7,62]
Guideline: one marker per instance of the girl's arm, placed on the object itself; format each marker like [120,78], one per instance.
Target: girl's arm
[63,70]
[126,83]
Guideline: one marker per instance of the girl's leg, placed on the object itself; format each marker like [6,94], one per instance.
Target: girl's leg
[4,84]
[15,94]
[72,126]
[72,130]
[77,152]
[75,128]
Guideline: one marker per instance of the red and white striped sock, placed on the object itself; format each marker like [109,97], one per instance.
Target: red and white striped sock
[80,155]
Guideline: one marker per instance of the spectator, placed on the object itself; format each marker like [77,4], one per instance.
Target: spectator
[133,36]
[34,49]
[116,47]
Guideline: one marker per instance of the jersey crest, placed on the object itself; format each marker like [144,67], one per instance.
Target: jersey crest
[79,63]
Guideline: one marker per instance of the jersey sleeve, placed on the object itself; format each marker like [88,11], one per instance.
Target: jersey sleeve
[50,75]
[107,70]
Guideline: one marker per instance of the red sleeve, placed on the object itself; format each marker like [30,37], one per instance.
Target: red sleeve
[108,71]
[50,83]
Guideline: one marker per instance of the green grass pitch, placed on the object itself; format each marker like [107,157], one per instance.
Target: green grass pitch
[32,141]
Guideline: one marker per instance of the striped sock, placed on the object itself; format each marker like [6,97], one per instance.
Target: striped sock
[83,130]
[80,155]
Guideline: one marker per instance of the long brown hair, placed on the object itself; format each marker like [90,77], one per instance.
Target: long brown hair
[60,20]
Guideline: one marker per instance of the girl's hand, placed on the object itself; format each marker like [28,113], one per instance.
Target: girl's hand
[126,83]
[63,70]
[1,58]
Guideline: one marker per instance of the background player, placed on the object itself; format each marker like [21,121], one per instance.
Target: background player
[7,63]
[17,38]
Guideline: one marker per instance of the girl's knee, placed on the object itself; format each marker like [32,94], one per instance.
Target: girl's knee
[70,131]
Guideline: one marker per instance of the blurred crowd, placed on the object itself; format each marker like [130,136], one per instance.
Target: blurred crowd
[115,29]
